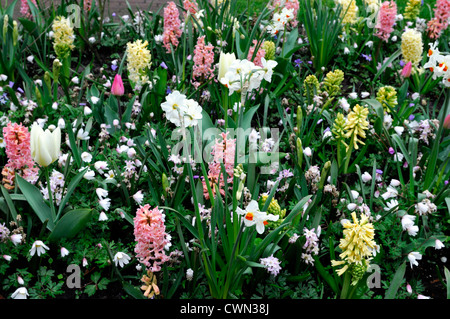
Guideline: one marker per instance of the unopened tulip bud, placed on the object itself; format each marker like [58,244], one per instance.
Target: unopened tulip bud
[406,72]
[447,122]
[45,146]
[117,88]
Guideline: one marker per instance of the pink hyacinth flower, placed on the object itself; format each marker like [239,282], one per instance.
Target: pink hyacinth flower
[447,122]
[386,20]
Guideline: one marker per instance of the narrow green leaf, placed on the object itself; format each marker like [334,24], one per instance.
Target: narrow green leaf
[396,281]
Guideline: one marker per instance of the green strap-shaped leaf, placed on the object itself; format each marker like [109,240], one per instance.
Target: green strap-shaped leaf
[36,201]
[71,224]
[396,281]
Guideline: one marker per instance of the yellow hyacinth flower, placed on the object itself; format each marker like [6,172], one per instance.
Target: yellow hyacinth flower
[357,244]
[349,11]
[357,124]
[412,46]
[138,62]
[412,9]
[63,36]
[387,96]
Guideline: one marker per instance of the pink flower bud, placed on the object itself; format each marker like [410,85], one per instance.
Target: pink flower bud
[406,72]
[117,86]
[408,288]
[447,122]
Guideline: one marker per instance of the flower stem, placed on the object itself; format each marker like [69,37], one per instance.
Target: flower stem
[50,197]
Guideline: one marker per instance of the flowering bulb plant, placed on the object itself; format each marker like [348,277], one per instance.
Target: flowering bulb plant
[202,149]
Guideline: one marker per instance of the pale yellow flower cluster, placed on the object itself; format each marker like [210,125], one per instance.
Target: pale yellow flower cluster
[357,245]
[412,46]
[373,5]
[349,11]
[138,62]
[357,124]
[63,36]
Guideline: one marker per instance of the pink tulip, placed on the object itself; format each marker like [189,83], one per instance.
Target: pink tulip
[447,122]
[117,86]
[406,72]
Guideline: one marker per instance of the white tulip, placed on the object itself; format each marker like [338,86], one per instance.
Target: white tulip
[225,61]
[45,145]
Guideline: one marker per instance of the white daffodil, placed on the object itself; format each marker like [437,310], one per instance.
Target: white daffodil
[86,157]
[253,216]
[38,247]
[121,258]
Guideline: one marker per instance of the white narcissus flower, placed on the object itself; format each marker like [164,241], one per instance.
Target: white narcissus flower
[407,221]
[253,216]
[413,258]
[89,175]
[121,258]
[38,247]
[45,145]
[20,293]
[102,217]
[268,67]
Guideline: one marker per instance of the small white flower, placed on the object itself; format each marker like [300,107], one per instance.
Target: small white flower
[105,203]
[61,123]
[102,217]
[394,183]
[413,257]
[7,257]
[86,157]
[89,175]
[346,50]
[390,205]
[353,95]
[20,280]
[30,58]
[399,130]
[84,262]
[121,258]
[64,252]
[91,40]
[101,193]
[138,197]
[189,274]
[352,206]
[366,177]
[20,293]
[39,247]
[87,111]
[364,94]
[438,244]
[307,151]
[75,80]
[16,239]
[94,99]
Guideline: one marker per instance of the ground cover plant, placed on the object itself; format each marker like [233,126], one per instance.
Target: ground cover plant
[292,149]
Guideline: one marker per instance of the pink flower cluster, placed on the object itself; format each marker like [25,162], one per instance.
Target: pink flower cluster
[223,152]
[150,234]
[288,4]
[203,59]
[190,6]
[172,29]
[18,151]
[440,21]
[386,20]
[25,9]
[258,56]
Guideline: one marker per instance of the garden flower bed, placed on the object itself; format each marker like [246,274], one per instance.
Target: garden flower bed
[225,150]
